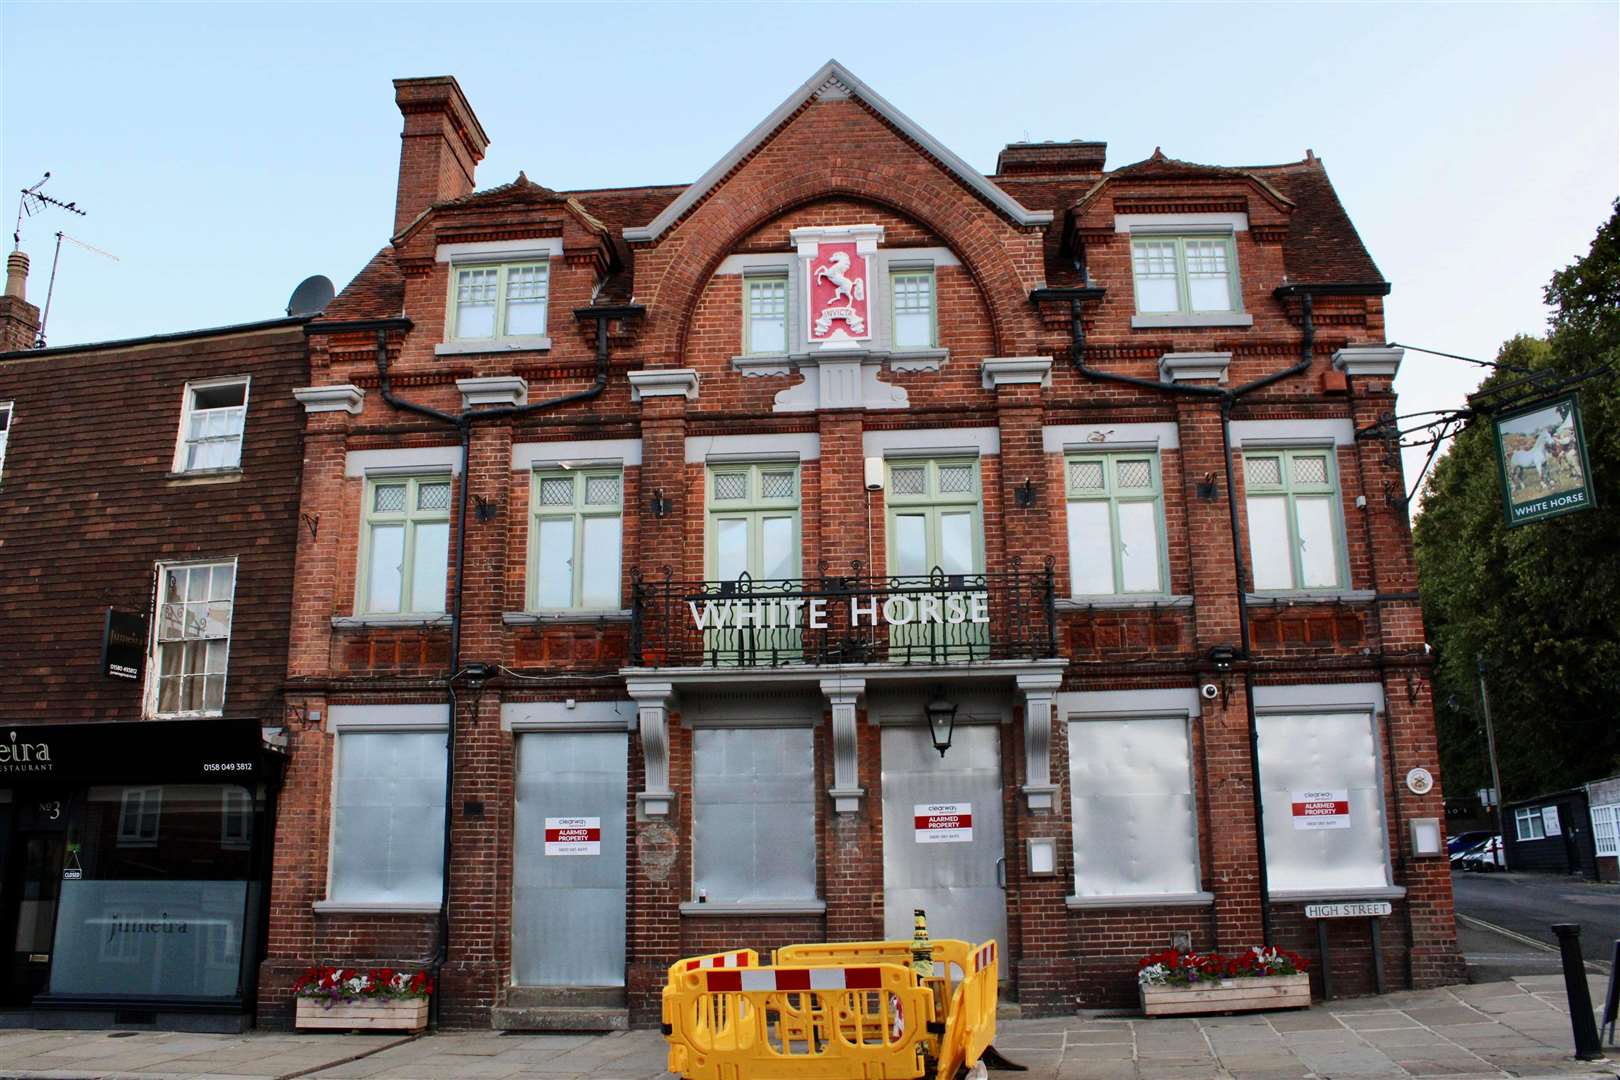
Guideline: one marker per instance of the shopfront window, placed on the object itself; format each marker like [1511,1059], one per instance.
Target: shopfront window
[753,815]
[1323,803]
[155,893]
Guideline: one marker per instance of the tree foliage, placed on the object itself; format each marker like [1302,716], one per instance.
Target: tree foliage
[1540,604]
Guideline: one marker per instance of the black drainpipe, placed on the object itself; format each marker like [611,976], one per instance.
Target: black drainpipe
[1227,398]
[463,422]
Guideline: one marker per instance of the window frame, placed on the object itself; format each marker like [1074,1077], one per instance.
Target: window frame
[754,507]
[368,516]
[154,665]
[577,512]
[932,502]
[500,338]
[1179,238]
[149,810]
[1605,829]
[749,281]
[188,408]
[9,408]
[1531,814]
[1288,491]
[927,273]
[1110,460]
[235,806]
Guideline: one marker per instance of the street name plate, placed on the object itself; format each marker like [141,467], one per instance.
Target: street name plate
[1347,911]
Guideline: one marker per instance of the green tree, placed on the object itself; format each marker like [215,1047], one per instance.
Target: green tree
[1539,603]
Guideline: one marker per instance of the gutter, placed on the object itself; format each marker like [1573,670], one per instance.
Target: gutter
[1227,398]
[463,422]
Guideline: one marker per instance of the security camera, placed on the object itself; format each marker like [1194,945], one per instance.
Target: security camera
[1210,691]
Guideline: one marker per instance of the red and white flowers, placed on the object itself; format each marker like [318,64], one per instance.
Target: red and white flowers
[331,985]
[1174,967]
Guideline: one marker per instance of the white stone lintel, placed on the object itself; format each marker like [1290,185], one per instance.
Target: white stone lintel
[999,371]
[664,382]
[1188,367]
[1381,361]
[344,397]
[866,238]
[493,390]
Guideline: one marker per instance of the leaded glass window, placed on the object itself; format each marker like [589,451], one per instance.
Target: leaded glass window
[578,536]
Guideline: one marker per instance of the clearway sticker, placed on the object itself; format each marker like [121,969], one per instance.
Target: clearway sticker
[943,823]
[573,836]
[1321,809]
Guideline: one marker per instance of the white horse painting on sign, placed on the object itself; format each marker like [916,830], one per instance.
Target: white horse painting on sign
[1540,453]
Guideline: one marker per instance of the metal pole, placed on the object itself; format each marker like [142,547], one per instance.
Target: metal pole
[1587,1046]
[1496,774]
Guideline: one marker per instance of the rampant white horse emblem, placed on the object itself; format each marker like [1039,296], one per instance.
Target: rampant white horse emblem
[844,287]
[848,292]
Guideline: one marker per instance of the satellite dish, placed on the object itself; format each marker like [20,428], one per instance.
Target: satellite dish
[311,296]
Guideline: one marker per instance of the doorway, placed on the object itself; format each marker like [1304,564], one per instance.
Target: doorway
[33,850]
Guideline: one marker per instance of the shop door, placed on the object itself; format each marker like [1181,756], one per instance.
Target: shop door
[35,850]
[956,875]
[568,884]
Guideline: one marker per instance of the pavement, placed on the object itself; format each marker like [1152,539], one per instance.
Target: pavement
[1517,1028]
[1527,905]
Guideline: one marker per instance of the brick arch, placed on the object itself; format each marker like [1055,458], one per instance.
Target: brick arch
[730,220]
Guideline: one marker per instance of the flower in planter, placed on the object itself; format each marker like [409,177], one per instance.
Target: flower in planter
[332,985]
[1173,967]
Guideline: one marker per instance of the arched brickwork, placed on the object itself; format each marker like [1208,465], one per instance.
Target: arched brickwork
[1003,260]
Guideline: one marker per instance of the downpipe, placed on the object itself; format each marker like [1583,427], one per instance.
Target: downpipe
[463,422]
[1227,398]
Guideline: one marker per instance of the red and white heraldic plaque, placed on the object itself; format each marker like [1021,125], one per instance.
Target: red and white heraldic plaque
[839,291]
[573,836]
[943,823]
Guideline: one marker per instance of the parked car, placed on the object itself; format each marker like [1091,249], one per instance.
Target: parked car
[1461,842]
[1484,857]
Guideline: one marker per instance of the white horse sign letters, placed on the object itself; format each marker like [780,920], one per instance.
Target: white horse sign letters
[1542,453]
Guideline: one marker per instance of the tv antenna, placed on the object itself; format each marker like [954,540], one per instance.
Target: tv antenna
[35,201]
[39,343]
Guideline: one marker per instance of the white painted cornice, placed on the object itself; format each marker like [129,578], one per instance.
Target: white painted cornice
[344,397]
[664,382]
[998,371]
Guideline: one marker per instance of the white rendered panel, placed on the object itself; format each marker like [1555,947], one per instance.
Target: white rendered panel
[1135,831]
[1322,752]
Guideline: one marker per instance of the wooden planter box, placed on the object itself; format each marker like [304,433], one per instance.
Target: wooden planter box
[1229,995]
[402,1014]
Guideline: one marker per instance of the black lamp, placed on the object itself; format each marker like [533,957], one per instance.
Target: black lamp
[941,721]
[1024,494]
[661,505]
[1222,656]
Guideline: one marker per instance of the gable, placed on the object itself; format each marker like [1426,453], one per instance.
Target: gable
[834,82]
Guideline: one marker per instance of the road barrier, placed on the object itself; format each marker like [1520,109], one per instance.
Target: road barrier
[842,1011]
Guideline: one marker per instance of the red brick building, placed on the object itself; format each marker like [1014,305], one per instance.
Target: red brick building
[687,508]
[148,521]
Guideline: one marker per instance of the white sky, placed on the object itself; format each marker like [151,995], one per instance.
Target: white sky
[224,152]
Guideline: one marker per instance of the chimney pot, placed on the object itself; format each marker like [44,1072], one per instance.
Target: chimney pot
[17,275]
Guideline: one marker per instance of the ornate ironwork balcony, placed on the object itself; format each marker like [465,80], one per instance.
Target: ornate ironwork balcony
[939,618]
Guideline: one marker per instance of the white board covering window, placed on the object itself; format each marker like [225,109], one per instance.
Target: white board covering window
[1323,803]
[753,815]
[388,817]
[1135,829]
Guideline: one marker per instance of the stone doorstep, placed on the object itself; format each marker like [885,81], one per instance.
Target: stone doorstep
[559,1018]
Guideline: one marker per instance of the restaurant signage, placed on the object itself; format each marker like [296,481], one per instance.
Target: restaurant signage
[123,644]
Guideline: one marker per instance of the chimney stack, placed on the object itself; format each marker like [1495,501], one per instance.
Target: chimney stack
[19,320]
[440,147]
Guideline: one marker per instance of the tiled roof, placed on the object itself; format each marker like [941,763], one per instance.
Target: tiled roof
[377,292]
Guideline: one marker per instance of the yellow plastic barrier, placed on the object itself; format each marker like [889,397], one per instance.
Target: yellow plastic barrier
[843,1011]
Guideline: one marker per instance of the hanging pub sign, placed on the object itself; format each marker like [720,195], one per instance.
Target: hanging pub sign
[123,644]
[1541,451]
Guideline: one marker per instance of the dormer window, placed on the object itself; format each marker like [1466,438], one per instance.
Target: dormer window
[500,302]
[1184,274]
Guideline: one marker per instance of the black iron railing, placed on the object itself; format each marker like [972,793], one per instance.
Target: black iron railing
[937,618]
